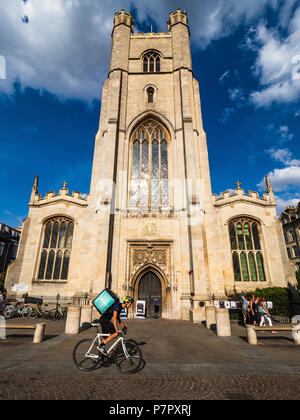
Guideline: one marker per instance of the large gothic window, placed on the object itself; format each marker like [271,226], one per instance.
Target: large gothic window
[151,62]
[245,239]
[55,253]
[149,174]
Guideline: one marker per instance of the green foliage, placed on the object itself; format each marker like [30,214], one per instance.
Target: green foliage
[298,280]
[278,295]
[280,298]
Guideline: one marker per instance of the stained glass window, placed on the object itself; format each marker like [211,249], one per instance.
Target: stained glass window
[236,266]
[245,241]
[149,175]
[55,254]
[232,235]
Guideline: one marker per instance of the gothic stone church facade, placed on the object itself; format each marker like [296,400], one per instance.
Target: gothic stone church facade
[151,226]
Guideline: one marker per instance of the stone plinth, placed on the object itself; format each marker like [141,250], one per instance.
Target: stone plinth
[73,320]
[210,316]
[39,333]
[223,322]
[86,314]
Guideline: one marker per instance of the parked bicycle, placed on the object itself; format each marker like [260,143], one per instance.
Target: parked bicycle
[19,309]
[40,311]
[58,313]
[125,353]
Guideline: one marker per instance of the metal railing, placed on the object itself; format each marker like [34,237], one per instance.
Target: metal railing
[52,301]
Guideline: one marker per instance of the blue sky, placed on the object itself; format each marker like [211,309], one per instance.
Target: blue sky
[246,56]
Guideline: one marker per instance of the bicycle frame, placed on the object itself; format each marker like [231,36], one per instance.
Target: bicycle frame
[98,337]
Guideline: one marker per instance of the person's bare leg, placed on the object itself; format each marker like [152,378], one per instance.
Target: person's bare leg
[111,337]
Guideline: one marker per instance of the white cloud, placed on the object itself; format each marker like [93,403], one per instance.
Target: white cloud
[284,156]
[283,203]
[283,179]
[224,76]
[236,94]
[278,61]
[65,46]
[225,117]
[282,133]
[287,179]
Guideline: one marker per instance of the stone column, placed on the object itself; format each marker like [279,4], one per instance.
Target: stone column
[210,316]
[73,320]
[223,323]
[95,314]
[251,334]
[86,314]
[296,335]
[39,333]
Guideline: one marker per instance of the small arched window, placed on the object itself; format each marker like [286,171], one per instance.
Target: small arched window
[245,240]
[55,252]
[150,93]
[151,62]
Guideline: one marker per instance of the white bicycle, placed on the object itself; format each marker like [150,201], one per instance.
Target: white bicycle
[125,353]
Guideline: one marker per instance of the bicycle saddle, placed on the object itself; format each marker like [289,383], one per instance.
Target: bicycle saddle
[95,324]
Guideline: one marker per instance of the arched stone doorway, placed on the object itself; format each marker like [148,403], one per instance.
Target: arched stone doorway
[150,290]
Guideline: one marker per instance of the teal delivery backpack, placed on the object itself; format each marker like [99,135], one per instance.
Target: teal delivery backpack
[105,300]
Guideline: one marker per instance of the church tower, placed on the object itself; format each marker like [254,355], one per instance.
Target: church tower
[153,217]
[151,227]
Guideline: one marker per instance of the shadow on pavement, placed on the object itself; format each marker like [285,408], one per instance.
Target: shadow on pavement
[46,337]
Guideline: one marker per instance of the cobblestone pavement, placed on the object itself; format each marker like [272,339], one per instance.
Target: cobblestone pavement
[183,361]
[91,386]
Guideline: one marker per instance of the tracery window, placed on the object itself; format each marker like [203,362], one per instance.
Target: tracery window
[149,174]
[151,62]
[55,252]
[247,256]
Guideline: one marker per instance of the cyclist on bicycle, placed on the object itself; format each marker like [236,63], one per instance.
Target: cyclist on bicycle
[109,327]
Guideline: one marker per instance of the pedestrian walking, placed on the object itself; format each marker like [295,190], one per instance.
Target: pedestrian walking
[156,308]
[264,314]
[2,300]
[245,308]
[254,316]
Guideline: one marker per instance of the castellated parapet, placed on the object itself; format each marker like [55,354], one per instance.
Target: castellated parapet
[51,198]
[239,195]
[177,17]
[124,18]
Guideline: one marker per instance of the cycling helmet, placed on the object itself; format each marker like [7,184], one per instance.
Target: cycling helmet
[128,299]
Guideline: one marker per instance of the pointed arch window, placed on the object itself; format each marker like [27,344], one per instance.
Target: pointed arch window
[149,174]
[55,252]
[247,256]
[151,62]
[150,93]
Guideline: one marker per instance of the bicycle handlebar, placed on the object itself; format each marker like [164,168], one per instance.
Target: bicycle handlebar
[124,331]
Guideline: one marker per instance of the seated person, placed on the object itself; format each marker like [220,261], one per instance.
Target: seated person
[109,327]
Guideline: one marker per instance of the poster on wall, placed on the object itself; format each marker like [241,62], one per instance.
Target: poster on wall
[19,288]
[216,304]
[270,305]
[227,304]
[233,305]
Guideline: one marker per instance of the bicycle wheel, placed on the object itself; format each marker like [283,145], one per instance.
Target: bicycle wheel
[9,311]
[133,362]
[33,314]
[45,314]
[81,360]
[52,314]
[26,312]
[65,311]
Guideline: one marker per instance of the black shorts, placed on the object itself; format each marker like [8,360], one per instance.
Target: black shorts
[107,326]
